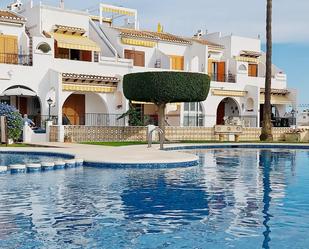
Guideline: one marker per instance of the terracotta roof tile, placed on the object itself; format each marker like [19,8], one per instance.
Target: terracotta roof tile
[208,43]
[276,91]
[8,16]
[152,35]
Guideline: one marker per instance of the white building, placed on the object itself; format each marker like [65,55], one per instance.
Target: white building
[78,61]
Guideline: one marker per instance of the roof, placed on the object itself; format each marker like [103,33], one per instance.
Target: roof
[64,29]
[276,91]
[11,17]
[208,43]
[89,77]
[248,53]
[158,36]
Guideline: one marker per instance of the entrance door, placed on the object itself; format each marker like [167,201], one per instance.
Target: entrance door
[74,109]
[22,105]
[221,113]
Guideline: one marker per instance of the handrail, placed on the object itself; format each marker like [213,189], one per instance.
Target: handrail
[104,37]
[161,132]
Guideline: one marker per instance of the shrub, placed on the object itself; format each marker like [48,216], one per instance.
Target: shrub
[14,120]
[166,87]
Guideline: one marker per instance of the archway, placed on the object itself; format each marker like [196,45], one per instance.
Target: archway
[25,100]
[85,109]
[228,107]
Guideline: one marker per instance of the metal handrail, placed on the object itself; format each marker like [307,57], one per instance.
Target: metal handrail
[161,132]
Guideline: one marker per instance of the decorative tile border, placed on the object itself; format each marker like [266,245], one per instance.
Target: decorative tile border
[239,146]
[106,165]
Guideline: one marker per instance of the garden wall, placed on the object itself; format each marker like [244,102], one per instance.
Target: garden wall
[76,133]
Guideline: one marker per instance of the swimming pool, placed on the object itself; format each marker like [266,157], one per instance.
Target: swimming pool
[18,157]
[235,198]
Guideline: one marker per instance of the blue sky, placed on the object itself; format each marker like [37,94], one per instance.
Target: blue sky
[241,17]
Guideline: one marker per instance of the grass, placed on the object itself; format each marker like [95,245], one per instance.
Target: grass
[118,144]
[15,145]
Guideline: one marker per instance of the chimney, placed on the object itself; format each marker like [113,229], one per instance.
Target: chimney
[62,4]
[16,6]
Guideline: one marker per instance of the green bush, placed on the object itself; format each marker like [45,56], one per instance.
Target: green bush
[14,120]
[166,87]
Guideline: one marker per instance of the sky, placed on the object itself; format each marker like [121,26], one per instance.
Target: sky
[240,17]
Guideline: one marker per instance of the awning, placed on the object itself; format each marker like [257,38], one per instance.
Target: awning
[18,91]
[228,93]
[75,42]
[277,99]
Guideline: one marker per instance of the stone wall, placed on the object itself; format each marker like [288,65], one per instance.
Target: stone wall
[83,133]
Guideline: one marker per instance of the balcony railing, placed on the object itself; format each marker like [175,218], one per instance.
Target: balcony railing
[223,77]
[16,59]
[94,119]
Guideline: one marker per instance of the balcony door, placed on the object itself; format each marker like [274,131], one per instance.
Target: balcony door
[177,62]
[138,57]
[217,70]
[8,49]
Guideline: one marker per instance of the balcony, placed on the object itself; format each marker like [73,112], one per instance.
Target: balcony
[16,59]
[230,78]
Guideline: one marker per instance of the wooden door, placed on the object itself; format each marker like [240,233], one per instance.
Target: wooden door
[22,105]
[138,57]
[221,71]
[8,49]
[210,72]
[253,70]
[221,113]
[86,55]
[74,109]
[177,62]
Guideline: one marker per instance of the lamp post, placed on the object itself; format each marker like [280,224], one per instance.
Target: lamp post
[294,122]
[49,102]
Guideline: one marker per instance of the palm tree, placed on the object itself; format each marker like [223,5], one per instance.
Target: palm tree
[267,126]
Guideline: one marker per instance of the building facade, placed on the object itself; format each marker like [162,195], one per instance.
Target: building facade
[77,61]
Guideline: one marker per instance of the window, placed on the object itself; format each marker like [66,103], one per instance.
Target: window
[44,48]
[242,67]
[138,57]
[253,70]
[193,114]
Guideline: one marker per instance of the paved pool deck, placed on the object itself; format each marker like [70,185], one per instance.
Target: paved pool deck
[132,154]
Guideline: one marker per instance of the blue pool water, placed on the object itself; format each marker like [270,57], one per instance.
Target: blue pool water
[235,198]
[7,158]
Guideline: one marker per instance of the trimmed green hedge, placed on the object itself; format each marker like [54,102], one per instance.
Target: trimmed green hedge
[166,87]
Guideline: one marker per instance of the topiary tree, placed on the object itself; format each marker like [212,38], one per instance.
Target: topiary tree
[14,120]
[161,88]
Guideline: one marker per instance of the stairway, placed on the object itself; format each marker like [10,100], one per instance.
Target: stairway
[30,47]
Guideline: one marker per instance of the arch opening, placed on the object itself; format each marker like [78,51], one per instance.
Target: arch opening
[85,109]
[26,101]
[228,108]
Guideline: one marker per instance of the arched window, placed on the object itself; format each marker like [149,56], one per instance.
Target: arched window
[193,114]
[44,47]
[242,67]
